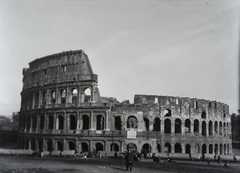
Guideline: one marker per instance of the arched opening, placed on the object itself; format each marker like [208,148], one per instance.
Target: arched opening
[159,148]
[74,95]
[146,148]
[36,99]
[168,147]
[114,147]
[196,126]
[84,147]
[85,120]
[216,149]
[156,124]
[33,145]
[132,147]
[204,149]
[221,149]
[210,149]
[167,126]
[71,145]
[220,128]
[203,115]
[168,113]
[42,122]
[204,131]
[228,149]
[118,123]
[99,147]
[53,97]
[49,146]
[210,128]
[72,122]
[87,95]
[40,145]
[178,148]
[227,130]
[60,122]
[132,122]
[178,126]
[146,123]
[28,122]
[188,149]
[50,122]
[63,96]
[44,98]
[216,127]
[197,148]
[187,126]
[100,122]
[59,146]
[34,126]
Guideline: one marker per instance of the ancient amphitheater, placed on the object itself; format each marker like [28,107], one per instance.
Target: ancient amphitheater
[62,110]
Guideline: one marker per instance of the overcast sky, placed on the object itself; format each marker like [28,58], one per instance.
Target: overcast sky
[176,48]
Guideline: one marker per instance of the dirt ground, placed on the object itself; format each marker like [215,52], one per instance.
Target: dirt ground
[20,164]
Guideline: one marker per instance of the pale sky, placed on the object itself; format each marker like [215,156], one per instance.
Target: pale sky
[176,48]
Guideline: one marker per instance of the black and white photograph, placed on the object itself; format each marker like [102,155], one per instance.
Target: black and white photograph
[112,86]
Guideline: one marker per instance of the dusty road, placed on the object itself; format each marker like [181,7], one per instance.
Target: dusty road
[18,164]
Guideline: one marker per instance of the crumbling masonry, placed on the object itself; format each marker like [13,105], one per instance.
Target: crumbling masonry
[61,109]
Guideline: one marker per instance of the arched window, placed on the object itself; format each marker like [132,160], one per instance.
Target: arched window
[156,124]
[210,149]
[158,147]
[178,148]
[178,126]
[146,148]
[44,98]
[168,147]
[59,146]
[60,122]
[146,123]
[167,113]
[72,122]
[203,115]
[100,122]
[118,123]
[204,149]
[187,126]
[114,147]
[87,95]
[84,147]
[74,95]
[71,145]
[204,131]
[34,126]
[132,122]
[49,146]
[188,149]
[210,128]
[41,121]
[99,147]
[53,97]
[196,126]
[50,122]
[131,147]
[63,96]
[220,128]
[85,120]
[167,126]
[216,149]
[216,127]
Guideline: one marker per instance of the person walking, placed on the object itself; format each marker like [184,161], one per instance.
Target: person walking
[129,159]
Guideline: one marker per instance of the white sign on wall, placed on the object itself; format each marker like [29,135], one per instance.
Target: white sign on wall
[131,134]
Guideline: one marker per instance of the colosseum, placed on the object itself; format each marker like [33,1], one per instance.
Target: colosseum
[62,110]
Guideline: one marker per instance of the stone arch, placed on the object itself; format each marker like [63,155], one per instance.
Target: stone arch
[73,122]
[210,128]
[168,147]
[178,126]
[99,146]
[44,98]
[203,115]
[71,145]
[49,146]
[216,127]
[100,122]
[216,149]
[60,122]
[147,148]
[204,149]
[224,129]
[225,149]
[159,149]
[157,124]
[114,147]
[187,126]
[168,113]
[42,119]
[59,146]
[221,149]
[204,128]
[188,149]
[87,95]
[131,146]
[85,147]
[210,149]
[197,148]
[74,95]
[53,96]
[167,126]
[50,122]
[34,118]
[178,148]
[196,126]
[40,145]
[132,122]
[85,122]
[118,123]
[220,128]
[33,144]
[146,121]
[63,96]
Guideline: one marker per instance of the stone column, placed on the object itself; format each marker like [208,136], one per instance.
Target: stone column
[65,122]
[67,95]
[200,127]
[48,95]
[173,149]
[33,103]
[92,122]
[207,130]
[183,127]
[40,99]
[79,96]
[172,126]
[31,121]
[38,123]
[58,96]
[106,121]
[45,123]
[183,147]
[162,126]
[191,126]
[54,122]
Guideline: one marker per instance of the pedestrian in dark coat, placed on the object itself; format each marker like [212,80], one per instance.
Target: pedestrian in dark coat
[129,160]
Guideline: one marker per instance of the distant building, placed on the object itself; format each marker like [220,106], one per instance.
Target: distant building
[61,108]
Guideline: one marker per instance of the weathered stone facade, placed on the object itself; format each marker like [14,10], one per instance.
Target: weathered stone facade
[61,109]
